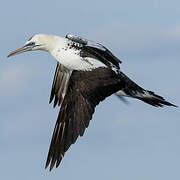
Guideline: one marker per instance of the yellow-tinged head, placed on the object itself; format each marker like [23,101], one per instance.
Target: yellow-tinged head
[44,42]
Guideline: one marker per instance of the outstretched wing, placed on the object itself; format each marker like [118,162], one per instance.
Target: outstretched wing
[60,84]
[85,90]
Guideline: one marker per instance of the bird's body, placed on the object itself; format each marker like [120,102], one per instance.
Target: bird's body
[68,56]
[86,74]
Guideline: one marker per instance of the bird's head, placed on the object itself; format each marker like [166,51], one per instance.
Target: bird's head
[36,42]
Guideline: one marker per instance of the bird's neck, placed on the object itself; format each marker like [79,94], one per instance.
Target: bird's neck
[53,43]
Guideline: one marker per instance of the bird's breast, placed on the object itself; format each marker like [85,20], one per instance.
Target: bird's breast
[71,59]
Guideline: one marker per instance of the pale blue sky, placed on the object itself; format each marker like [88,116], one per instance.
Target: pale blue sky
[137,141]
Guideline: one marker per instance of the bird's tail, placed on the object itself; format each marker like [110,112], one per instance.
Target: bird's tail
[131,89]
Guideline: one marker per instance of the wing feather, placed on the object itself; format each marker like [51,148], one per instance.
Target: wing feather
[60,84]
[85,91]
[94,50]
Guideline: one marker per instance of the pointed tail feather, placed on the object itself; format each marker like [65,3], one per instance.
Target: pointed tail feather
[153,99]
[131,89]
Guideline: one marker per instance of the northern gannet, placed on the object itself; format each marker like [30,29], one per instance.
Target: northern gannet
[86,73]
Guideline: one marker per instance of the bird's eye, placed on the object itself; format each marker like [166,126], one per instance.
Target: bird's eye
[30,44]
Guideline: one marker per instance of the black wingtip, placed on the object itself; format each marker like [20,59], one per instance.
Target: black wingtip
[47,164]
[50,100]
[51,96]
[51,166]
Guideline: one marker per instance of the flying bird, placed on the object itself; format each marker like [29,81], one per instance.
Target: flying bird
[86,73]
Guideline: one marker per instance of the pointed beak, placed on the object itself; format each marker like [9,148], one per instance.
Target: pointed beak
[20,50]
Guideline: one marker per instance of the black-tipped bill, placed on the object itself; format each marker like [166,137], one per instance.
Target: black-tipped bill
[20,50]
